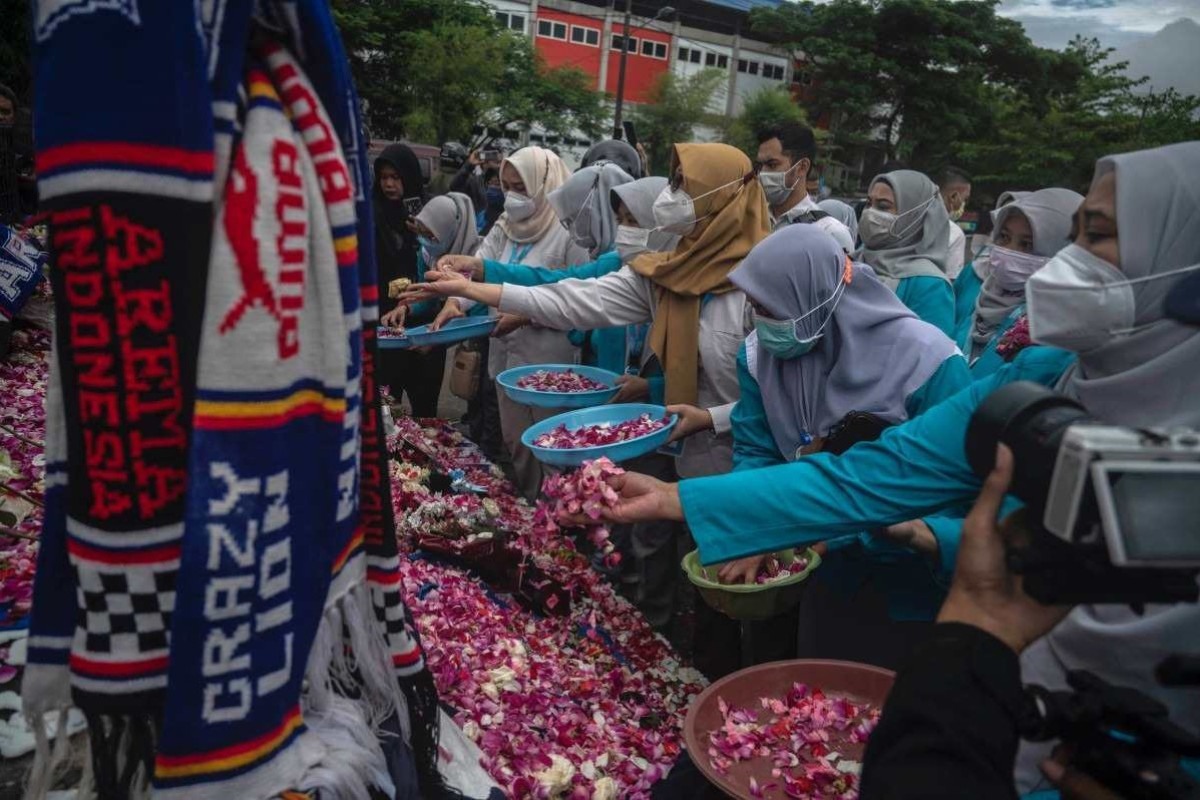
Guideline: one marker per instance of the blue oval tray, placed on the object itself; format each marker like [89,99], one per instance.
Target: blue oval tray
[621,451]
[542,399]
[456,330]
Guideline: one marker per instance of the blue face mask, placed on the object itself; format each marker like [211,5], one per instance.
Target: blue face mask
[495,197]
[778,336]
[430,248]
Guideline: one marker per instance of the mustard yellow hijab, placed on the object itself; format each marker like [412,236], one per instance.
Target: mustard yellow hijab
[733,219]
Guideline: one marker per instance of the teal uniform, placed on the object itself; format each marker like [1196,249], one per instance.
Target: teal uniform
[918,468]
[966,292]
[607,347]
[931,299]
[902,574]
[988,360]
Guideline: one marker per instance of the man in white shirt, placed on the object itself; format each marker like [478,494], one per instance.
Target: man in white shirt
[955,186]
[785,157]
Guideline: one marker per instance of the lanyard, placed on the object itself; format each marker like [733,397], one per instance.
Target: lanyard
[519,253]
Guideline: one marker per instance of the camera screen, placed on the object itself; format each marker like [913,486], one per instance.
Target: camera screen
[1157,513]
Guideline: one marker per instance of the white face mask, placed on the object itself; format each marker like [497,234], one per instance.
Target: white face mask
[675,210]
[1012,268]
[877,229]
[631,242]
[518,206]
[1079,301]
[775,186]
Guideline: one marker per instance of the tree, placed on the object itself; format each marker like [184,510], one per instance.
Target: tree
[1027,147]
[674,107]
[435,69]
[913,73]
[769,105]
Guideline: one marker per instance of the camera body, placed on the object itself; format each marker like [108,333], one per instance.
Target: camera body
[1139,490]
[1114,508]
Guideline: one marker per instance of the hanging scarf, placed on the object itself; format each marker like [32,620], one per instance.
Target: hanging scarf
[542,172]
[130,228]
[734,219]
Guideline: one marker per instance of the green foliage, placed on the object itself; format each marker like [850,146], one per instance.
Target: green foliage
[769,105]
[431,70]
[674,107]
[953,82]
[1028,147]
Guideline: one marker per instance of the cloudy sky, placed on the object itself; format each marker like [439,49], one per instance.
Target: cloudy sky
[1116,23]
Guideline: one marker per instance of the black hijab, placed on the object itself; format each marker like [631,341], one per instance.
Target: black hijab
[395,244]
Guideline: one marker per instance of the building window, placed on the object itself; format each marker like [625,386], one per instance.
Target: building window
[710,59]
[753,68]
[647,47]
[741,65]
[619,41]
[683,54]
[654,49]
[588,36]
[695,57]
[723,62]
[552,30]
[513,22]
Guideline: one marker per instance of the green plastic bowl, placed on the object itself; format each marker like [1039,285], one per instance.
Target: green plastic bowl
[749,601]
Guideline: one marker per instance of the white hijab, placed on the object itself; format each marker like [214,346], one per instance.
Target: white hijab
[1149,378]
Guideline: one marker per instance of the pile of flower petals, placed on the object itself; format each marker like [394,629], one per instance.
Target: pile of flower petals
[801,735]
[586,492]
[604,433]
[772,569]
[585,706]
[562,381]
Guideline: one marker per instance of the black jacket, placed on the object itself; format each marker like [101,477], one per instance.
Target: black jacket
[395,245]
[949,728]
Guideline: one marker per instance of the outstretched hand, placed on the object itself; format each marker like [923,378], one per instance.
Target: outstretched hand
[449,311]
[641,498]
[471,266]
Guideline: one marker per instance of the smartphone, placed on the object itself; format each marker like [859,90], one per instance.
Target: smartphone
[412,205]
[491,155]
[630,133]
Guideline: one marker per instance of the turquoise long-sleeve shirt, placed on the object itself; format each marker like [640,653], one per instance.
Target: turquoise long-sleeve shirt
[913,470]
[911,592]
[931,299]
[608,346]
[754,444]
[966,292]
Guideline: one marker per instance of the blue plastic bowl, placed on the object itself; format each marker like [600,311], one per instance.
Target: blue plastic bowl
[621,451]
[456,330]
[541,399]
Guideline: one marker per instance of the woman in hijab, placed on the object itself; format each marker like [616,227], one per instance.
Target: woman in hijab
[399,185]
[1028,232]
[905,232]
[1101,301]
[529,233]
[970,280]
[698,318]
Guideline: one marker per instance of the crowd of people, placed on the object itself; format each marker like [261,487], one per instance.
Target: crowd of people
[824,363]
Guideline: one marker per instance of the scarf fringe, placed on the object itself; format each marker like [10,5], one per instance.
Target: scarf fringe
[353,764]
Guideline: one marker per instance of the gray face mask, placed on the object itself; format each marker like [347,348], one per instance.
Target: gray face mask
[880,230]
[776,187]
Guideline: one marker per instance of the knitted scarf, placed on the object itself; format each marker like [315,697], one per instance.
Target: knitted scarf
[282,551]
[20,271]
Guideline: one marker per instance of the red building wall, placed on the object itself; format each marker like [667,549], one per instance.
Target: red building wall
[641,70]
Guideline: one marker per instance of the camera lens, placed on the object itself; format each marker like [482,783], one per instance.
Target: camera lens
[1031,420]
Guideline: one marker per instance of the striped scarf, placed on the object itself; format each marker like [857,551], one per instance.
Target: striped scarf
[218,501]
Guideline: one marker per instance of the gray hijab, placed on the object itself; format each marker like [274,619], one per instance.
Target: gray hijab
[1150,377]
[981,264]
[639,198]
[582,204]
[843,213]
[873,353]
[923,252]
[451,218]
[1050,212]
